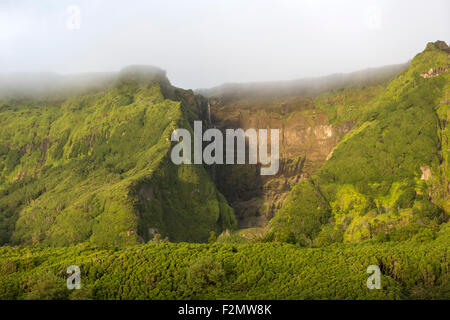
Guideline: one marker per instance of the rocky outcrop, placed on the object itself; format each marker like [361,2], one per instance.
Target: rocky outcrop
[426,173]
[434,72]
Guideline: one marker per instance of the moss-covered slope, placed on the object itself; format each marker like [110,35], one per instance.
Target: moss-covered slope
[388,177]
[94,167]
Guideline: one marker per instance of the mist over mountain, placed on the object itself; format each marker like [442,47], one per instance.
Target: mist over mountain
[225,150]
[86,177]
[48,84]
[306,86]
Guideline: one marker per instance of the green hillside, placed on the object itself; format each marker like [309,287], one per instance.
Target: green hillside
[86,179]
[388,177]
[85,167]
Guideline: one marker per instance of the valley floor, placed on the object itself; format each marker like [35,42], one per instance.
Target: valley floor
[416,269]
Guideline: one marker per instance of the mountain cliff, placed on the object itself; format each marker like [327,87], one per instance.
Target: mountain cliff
[94,166]
[362,155]
[363,181]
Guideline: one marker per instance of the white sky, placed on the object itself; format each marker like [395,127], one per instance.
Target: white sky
[203,43]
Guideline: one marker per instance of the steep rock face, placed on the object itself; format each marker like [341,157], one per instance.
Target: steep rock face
[306,140]
[313,115]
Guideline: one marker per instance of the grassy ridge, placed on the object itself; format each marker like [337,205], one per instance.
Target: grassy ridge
[76,169]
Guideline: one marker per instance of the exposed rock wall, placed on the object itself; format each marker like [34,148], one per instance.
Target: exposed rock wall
[306,140]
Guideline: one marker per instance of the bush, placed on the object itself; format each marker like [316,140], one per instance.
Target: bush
[330,234]
[7,267]
[381,237]
[205,273]
[45,286]
[425,234]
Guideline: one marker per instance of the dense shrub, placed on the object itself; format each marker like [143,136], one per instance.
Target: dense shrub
[411,269]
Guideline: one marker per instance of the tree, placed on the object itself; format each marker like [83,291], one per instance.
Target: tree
[212,237]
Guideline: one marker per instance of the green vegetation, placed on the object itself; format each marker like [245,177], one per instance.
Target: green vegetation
[304,212]
[86,179]
[412,269]
[388,177]
[348,104]
[95,167]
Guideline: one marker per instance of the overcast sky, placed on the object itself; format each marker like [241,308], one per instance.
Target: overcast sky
[203,43]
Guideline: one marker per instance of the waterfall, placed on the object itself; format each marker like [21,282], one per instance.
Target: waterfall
[209,113]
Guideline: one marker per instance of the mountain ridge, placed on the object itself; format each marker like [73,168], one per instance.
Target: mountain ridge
[109,148]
